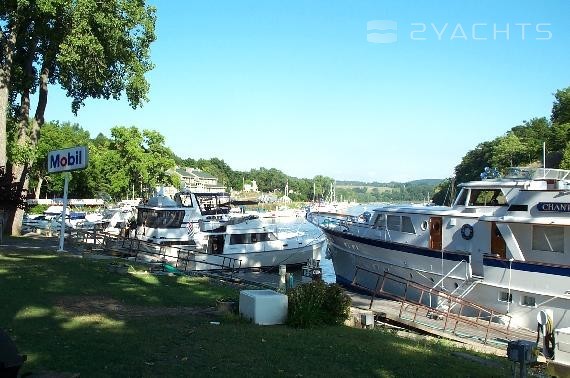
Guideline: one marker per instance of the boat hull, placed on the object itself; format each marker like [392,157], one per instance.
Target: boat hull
[262,259]
[361,263]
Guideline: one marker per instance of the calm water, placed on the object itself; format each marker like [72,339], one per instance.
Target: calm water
[302,225]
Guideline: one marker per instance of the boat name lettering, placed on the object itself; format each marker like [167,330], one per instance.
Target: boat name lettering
[559,207]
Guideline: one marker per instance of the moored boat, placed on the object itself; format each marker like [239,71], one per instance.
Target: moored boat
[504,244]
[250,242]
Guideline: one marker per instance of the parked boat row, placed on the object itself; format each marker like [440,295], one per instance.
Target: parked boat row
[202,224]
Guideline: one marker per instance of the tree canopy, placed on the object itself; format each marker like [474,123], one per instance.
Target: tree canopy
[91,48]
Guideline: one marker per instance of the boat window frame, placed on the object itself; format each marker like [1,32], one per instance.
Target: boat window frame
[410,224]
[560,241]
[392,226]
[401,228]
[477,197]
[461,199]
[531,303]
[505,297]
[155,218]
[380,221]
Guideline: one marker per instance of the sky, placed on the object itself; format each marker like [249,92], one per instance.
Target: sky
[355,90]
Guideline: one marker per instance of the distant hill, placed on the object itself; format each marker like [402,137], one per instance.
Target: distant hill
[428,182]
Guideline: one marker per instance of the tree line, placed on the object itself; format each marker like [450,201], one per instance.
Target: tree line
[522,145]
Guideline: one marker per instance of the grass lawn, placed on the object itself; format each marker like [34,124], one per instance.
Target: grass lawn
[77,315]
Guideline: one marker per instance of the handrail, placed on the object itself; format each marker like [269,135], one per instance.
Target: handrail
[449,273]
[483,313]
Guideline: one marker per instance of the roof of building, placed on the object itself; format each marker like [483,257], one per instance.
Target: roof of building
[194,172]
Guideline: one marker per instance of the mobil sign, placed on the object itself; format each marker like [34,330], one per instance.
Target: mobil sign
[69,159]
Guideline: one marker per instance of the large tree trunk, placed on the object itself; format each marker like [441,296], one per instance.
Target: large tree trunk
[7,43]
[20,171]
[38,190]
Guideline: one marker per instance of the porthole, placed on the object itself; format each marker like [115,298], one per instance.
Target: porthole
[424,225]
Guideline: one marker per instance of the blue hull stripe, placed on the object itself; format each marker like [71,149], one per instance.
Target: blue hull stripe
[407,248]
[556,270]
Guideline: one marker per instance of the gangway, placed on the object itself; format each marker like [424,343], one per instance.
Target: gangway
[459,316]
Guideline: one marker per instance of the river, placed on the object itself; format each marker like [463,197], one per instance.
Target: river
[302,225]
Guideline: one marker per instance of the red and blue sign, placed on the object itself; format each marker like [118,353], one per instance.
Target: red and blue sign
[69,159]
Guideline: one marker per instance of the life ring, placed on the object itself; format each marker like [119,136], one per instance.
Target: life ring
[467,232]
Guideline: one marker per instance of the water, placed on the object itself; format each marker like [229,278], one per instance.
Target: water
[302,225]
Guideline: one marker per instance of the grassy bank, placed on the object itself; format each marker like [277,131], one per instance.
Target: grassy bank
[78,315]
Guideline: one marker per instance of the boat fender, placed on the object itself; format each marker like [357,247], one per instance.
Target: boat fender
[467,232]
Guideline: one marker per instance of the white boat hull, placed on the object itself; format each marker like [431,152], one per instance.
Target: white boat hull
[355,259]
[260,259]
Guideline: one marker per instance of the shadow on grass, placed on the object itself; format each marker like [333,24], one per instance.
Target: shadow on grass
[76,315]
[68,312]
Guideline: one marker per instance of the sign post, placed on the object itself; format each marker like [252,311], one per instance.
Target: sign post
[67,160]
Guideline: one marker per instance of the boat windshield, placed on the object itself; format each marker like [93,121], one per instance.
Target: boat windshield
[160,218]
[252,238]
[213,203]
[487,197]
[183,199]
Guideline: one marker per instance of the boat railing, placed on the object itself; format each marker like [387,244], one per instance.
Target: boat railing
[342,222]
[183,257]
[467,273]
[408,293]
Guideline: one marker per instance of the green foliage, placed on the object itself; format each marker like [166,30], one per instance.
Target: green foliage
[11,195]
[565,163]
[561,106]
[508,151]
[37,209]
[317,304]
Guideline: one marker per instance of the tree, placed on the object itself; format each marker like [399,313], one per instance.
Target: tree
[91,48]
[561,106]
[55,136]
[565,163]
[508,151]
[473,163]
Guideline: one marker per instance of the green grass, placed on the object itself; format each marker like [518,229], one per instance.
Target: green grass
[76,315]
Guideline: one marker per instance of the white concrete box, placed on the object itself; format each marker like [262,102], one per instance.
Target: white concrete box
[562,346]
[264,307]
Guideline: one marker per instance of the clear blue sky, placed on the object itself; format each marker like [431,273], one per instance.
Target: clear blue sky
[304,87]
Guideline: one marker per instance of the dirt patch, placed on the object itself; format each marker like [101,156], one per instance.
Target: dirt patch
[109,306]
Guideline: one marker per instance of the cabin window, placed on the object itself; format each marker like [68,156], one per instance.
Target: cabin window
[239,239]
[183,199]
[548,238]
[160,218]
[528,301]
[267,236]
[400,223]
[380,221]
[407,225]
[487,197]
[393,222]
[460,201]
[505,296]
